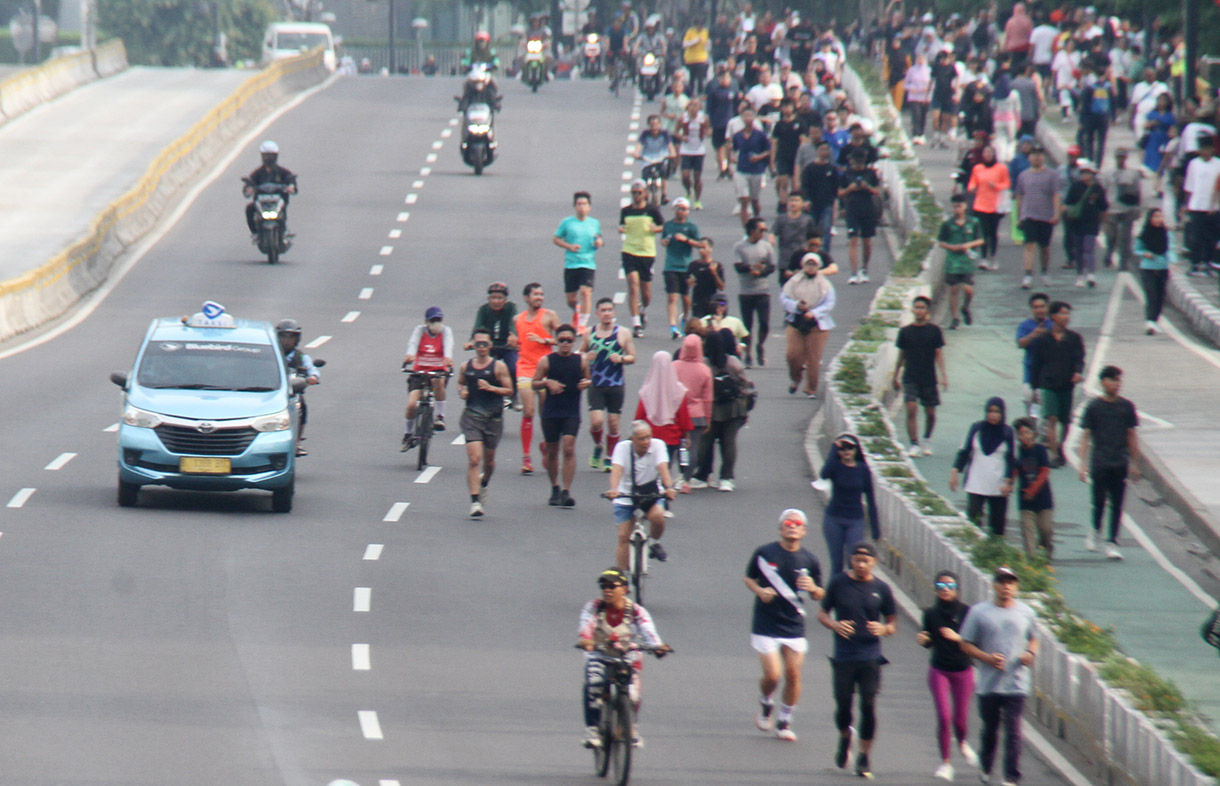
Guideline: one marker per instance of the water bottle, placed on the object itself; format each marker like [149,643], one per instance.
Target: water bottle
[803,572]
[683,459]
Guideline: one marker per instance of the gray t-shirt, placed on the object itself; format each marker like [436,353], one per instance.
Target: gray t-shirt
[1037,191]
[1028,90]
[1008,630]
[748,253]
[790,234]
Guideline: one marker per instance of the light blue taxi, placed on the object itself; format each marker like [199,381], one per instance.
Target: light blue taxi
[209,406]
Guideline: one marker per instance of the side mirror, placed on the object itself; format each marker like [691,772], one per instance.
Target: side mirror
[119,378]
[319,362]
[299,385]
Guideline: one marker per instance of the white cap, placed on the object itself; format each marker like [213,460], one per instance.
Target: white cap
[1084,163]
[681,202]
[793,513]
[269,147]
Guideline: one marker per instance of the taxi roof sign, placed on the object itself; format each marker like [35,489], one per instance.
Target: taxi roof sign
[211,315]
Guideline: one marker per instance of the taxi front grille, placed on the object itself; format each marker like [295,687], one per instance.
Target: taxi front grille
[221,442]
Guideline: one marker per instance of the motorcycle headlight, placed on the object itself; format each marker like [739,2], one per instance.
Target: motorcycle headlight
[533,46]
[479,128]
[649,59]
[280,421]
[592,39]
[134,416]
[270,215]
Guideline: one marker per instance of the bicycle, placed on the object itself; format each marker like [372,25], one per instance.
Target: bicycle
[425,420]
[613,68]
[654,174]
[616,722]
[637,550]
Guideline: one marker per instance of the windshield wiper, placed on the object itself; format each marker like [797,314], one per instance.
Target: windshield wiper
[191,386]
[255,389]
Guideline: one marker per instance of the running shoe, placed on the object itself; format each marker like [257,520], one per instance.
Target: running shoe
[726,485]
[763,719]
[954,323]
[556,497]
[914,450]
[657,551]
[926,448]
[527,465]
[595,461]
[637,331]
[967,317]
[784,732]
[698,205]
[607,465]
[636,740]
[1150,328]
[482,495]
[408,442]
[566,501]
[1112,551]
[593,737]
[844,749]
[1089,543]
[862,766]
[300,451]
[863,276]
[476,510]
[944,772]
[439,425]
[1079,282]
[968,753]
[762,356]
[674,333]
[1027,281]
[1091,281]
[695,483]
[853,279]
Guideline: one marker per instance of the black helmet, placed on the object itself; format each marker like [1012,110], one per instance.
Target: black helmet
[498,287]
[288,326]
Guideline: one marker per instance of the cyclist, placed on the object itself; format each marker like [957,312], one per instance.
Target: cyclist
[497,316]
[536,328]
[656,147]
[483,382]
[607,349]
[614,623]
[617,49]
[430,348]
[563,374]
[289,334]
[639,223]
[643,488]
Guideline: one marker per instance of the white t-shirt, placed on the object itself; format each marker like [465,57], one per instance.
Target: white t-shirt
[1064,67]
[692,130]
[1200,183]
[1042,39]
[760,95]
[1191,134]
[645,466]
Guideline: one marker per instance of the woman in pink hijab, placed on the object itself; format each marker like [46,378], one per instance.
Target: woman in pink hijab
[697,376]
[663,403]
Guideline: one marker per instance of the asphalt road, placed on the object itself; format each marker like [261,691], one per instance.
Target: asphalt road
[201,639]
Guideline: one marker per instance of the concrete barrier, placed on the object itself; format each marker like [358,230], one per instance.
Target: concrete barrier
[33,86]
[51,289]
[1123,744]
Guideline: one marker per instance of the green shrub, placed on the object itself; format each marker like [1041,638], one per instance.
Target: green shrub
[1202,747]
[852,376]
[1151,691]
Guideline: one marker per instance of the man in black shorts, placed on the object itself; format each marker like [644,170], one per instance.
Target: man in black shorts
[1039,195]
[680,237]
[563,374]
[920,354]
[786,137]
[483,382]
[857,188]
[639,223]
[607,348]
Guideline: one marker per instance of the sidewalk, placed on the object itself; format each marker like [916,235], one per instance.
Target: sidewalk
[1155,616]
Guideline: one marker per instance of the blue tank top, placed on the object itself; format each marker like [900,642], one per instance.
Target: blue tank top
[565,370]
[606,374]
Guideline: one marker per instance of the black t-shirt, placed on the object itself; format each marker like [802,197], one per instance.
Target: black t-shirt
[870,153]
[1030,462]
[779,618]
[919,344]
[788,133]
[946,655]
[705,282]
[794,263]
[859,203]
[1108,423]
[860,602]
[943,75]
[820,184]
[800,39]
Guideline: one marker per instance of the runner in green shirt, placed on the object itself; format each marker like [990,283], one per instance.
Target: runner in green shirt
[959,237]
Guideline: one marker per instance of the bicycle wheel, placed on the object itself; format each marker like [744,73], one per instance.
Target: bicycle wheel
[639,564]
[423,432]
[601,754]
[620,732]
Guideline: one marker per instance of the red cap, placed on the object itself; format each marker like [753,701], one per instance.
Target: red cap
[1073,150]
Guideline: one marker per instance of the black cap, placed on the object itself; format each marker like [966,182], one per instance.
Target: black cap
[865,548]
[612,574]
[1005,573]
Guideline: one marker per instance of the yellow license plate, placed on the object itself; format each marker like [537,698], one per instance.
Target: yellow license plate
[199,465]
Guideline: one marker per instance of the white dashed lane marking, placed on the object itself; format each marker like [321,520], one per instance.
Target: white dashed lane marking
[453,121]
[376,270]
[360,657]
[402,217]
[460,439]
[21,497]
[621,275]
[351,316]
[620,298]
[61,461]
[438,144]
[425,171]
[365,293]
[417,184]
[362,599]
[386,250]
[372,552]
[427,475]
[113,427]
[430,158]
[396,511]
[627,175]
[395,234]
[369,726]
[411,198]
[629,160]
[317,342]
[635,125]
[387,782]
[446,133]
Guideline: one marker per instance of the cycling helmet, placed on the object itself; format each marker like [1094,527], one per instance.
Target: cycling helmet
[288,326]
[269,147]
[613,575]
[482,37]
[498,287]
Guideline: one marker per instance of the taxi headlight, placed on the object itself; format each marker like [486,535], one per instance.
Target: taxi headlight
[280,421]
[134,416]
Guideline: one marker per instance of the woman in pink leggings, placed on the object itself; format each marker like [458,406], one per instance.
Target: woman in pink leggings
[950,676]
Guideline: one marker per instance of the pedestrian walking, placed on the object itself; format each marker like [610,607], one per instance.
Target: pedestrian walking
[1109,449]
[777,574]
[1038,194]
[1006,106]
[961,236]
[988,459]
[483,383]
[732,396]
[755,262]
[1056,363]
[991,186]
[918,84]
[851,485]
[1096,104]
[1154,248]
[820,187]
[950,676]
[1000,634]
[1156,122]
[663,404]
[1123,183]
[1084,207]
[696,375]
[920,355]
[1199,186]
[808,298]
[1029,329]
[858,186]
[859,608]
[1037,505]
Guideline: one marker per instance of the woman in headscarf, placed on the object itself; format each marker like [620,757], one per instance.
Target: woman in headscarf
[663,403]
[918,86]
[1154,248]
[851,485]
[991,186]
[807,298]
[731,402]
[988,459]
[695,374]
[950,676]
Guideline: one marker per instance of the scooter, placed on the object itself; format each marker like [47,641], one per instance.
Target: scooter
[591,65]
[270,217]
[534,69]
[478,137]
[650,75]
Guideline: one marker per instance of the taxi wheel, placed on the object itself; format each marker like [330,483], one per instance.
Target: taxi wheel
[281,499]
[129,494]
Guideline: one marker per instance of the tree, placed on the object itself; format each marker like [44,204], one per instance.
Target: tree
[180,32]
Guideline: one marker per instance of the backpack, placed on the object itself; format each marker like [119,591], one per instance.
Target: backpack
[726,387]
[1099,98]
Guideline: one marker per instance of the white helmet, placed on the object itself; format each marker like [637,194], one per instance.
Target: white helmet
[269,147]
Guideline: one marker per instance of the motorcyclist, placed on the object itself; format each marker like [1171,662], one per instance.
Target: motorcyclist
[480,88]
[269,172]
[481,52]
[539,30]
[299,364]
[652,39]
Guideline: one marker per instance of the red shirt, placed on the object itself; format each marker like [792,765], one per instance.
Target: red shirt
[671,433]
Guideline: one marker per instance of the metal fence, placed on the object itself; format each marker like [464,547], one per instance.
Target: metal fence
[407,57]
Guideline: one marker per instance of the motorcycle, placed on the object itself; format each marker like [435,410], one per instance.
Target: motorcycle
[650,75]
[534,69]
[270,217]
[478,137]
[591,65]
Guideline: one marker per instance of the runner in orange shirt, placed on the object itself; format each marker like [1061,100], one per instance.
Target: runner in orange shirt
[535,328]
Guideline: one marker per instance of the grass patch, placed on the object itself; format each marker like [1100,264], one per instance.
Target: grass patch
[1151,691]
[882,449]
[1202,747]
[866,347]
[896,472]
[852,376]
[910,262]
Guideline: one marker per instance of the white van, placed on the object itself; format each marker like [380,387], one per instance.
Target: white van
[289,39]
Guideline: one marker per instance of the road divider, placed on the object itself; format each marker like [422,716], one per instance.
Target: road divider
[33,86]
[54,287]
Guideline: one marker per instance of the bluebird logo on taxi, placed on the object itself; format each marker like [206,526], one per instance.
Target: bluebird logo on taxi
[211,309]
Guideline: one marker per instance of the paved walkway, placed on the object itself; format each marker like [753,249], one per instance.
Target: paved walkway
[1171,379]
[65,161]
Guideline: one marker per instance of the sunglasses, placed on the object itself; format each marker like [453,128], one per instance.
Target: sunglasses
[793,523]
[944,585]
[610,584]
[482,343]
[845,447]
[565,341]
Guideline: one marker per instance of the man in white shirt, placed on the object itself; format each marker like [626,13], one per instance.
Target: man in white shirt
[1200,187]
[1143,100]
[639,477]
[1042,41]
[766,95]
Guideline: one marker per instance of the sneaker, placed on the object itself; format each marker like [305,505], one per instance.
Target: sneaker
[439,424]
[726,485]
[1079,282]
[482,495]
[408,442]
[595,461]
[1150,328]
[985,778]
[844,750]
[853,279]
[636,740]
[1027,281]
[637,331]
[1089,543]
[1091,281]
[527,466]
[925,448]
[1112,551]
[914,450]
[566,501]
[763,719]
[968,753]
[593,737]
[784,733]
[556,497]
[300,451]
[967,317]
[944,772]
[863,276]
[606,464]
[749,360]
[517,406]
[862,766]
[674,333]
[762,356]
[657,551]
[695,483]
[698,205]
[1046,280]
[954,323]
[476,510]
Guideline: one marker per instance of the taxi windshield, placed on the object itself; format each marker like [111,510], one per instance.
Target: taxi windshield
[210,365]
[300,41]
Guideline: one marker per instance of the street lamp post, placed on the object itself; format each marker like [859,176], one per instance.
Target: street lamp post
[419,24]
